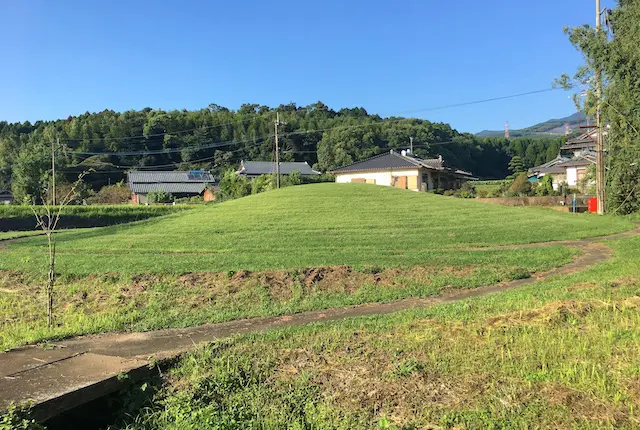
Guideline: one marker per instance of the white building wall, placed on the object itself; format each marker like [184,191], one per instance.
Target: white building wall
[572,176]
[380,178]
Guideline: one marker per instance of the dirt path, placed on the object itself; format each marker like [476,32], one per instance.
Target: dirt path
[78,370]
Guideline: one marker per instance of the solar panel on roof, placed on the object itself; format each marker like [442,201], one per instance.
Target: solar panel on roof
[196,175]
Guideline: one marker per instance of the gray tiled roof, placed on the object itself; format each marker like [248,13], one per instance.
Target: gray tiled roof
[166,176]
[559,164]
[176,182]
[391,160]
[256,168]
[168,187]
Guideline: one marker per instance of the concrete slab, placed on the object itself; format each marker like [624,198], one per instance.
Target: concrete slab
[31,357]
[63,377]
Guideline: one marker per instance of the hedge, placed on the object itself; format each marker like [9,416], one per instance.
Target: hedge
[20,218]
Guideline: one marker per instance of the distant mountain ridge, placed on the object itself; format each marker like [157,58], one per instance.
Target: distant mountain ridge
[551,127]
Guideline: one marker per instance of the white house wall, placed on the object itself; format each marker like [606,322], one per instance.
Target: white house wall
[572,176]
[380,178]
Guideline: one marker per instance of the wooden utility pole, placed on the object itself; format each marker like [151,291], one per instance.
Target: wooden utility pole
[277,152]
[278,123]
[600,168]
[53,170]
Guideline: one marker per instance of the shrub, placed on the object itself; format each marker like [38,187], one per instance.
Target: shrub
[263,183]
[483,193]
[190,200]
[159,196]
[112,194]
[233,186]
[520,186]
[448,193]
[466,191]
[545,187]
[294,178]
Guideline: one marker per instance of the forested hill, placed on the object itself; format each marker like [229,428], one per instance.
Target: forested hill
[217,138]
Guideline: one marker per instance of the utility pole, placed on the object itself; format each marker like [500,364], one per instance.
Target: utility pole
[600,169]
[411,140]
[277,123]
[53,170]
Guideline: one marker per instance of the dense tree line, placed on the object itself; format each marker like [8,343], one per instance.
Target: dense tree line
[217,138]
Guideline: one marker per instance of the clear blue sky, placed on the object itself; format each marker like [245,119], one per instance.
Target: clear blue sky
[64,58]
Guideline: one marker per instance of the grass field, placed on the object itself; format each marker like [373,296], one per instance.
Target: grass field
[301,248]
[311,225]
[562,353]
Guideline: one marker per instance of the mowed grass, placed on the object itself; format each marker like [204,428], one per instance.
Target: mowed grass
[561,353]
[311,225]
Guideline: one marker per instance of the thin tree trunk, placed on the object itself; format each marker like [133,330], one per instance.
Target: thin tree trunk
[52,278]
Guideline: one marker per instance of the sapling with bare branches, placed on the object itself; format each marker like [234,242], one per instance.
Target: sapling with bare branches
[48,218]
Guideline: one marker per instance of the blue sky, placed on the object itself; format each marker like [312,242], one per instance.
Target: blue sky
[67,57]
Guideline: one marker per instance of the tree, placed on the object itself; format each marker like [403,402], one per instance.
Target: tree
[47,218]
[516,165]
[617,55]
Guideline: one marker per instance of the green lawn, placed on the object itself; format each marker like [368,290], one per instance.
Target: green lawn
[311,225]
[561,353]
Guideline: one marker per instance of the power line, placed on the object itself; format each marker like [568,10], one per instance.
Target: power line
[163,151]
[493,99]
[166,165]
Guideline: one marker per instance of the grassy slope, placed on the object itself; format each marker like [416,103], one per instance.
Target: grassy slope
[312,225]
[562,353]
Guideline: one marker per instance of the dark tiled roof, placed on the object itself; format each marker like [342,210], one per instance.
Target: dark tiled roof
[583,160]
[173,176]
[176,182]
[559,164]
[585,140]
[256,168]
[168,187]
[391,160]
[550,166]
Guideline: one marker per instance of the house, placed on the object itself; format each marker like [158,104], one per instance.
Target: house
[177,183]
[253,169]
[6,198]
[403,171]
[572,163]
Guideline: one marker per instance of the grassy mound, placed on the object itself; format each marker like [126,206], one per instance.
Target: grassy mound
[311,225]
